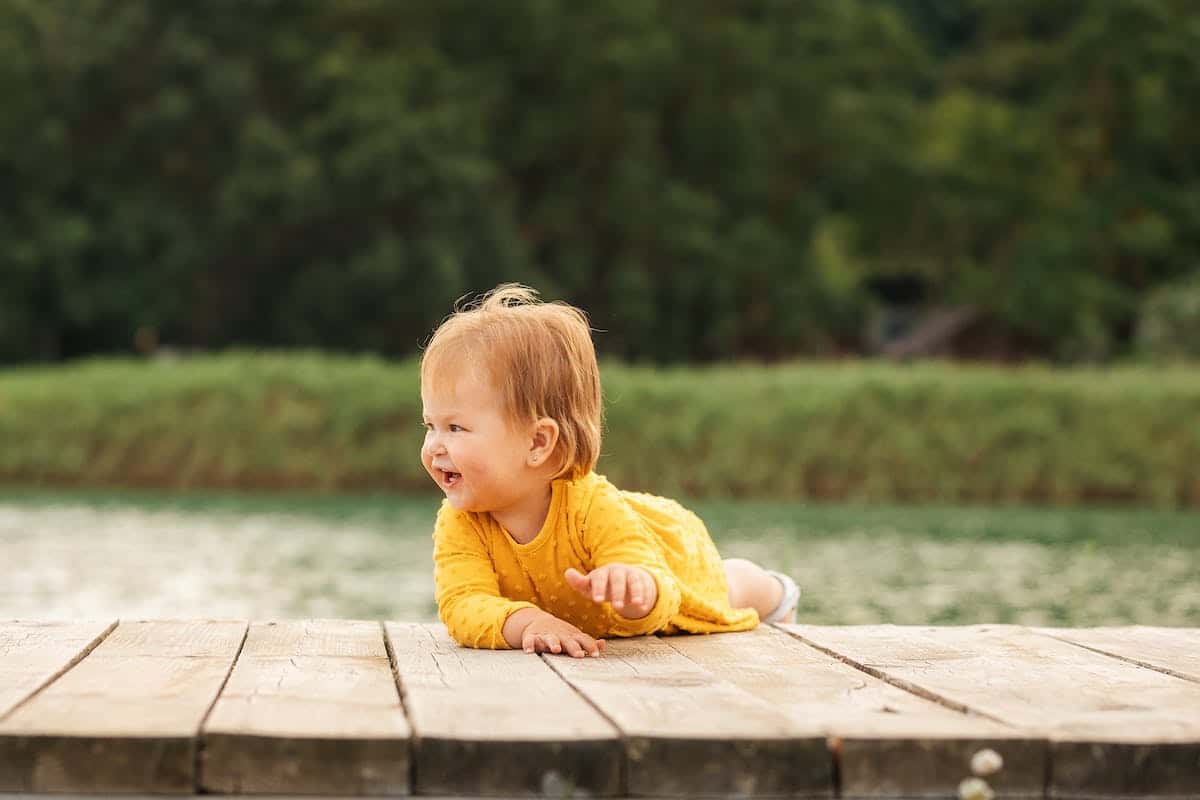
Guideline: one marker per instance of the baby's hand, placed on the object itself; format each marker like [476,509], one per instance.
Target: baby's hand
[631,590]
[546,633]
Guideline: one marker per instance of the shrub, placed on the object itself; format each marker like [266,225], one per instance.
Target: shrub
[863,431]
[1169,324]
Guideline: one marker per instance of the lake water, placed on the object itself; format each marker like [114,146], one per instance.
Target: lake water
[71,558]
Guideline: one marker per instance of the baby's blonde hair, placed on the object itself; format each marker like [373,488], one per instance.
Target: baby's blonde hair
[538,355]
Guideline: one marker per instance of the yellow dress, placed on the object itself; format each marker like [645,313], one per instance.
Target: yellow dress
[483,575]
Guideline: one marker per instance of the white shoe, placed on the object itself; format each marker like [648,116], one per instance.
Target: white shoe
[787,603]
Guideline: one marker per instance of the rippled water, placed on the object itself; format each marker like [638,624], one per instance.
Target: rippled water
[79,561]
[114,560]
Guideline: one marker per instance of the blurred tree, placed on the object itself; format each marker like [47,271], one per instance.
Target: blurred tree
[709,179]
[272,173]
[1059,165]
[1169,321]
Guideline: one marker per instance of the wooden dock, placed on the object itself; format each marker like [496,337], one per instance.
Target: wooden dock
[367,708]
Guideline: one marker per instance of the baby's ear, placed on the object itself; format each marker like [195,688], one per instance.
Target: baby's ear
[545,439]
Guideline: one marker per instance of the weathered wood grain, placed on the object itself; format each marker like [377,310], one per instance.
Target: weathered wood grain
[1115,729]
[32,654]
[889,742]
[125,719]
[498,722]
[689,732]
[728,715]
[310,708]
[1175,651]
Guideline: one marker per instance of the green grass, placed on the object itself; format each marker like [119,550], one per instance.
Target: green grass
[369,556]
[851,432]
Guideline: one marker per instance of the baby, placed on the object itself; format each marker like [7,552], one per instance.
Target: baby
[532,548]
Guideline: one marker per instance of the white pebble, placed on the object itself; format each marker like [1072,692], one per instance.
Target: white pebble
[986,762]
[975,789]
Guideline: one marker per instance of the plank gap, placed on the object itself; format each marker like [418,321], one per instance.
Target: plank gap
[412,750]
[623,764]
[832,744]
[198,753]
[1128,660]
[899,683]
[71,664]
[1048,773]
[1113,728]
[475,735]
[691,733]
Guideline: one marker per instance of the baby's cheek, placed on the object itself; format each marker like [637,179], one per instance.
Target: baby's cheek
[478,468]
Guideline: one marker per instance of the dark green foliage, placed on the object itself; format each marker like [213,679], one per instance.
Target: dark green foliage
[848,431]
[709,179]
[1169,323]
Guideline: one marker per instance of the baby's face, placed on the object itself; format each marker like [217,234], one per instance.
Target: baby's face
[471,450]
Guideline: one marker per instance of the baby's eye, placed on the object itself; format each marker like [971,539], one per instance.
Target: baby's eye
[455,428]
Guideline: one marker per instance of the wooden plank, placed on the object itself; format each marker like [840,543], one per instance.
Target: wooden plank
[691,733]
[1175,651]
[32,654]
[498,722]
[888,742]
[310,708]
[1115,729]
[124,719]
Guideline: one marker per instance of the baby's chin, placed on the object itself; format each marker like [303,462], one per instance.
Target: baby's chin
[459,502]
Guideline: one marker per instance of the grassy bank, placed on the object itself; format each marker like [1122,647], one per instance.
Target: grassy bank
[867,432]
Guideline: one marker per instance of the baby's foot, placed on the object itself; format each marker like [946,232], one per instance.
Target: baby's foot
[786,610]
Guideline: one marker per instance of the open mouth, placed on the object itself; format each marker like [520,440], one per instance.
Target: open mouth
[449,478]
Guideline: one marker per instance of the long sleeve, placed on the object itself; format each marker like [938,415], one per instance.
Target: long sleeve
[614,532]
[468,592]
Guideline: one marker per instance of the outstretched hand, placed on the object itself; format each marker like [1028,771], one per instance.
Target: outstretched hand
[631,590]
[546,633]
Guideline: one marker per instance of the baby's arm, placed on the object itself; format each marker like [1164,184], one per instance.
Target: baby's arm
[474,611]
[467,589]
[621,545]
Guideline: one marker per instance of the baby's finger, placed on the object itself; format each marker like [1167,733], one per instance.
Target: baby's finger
[529,642]
[616,588]
[637,589]
[648,588]
[573,648]
[577,580]
[599,584]
[553,642]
